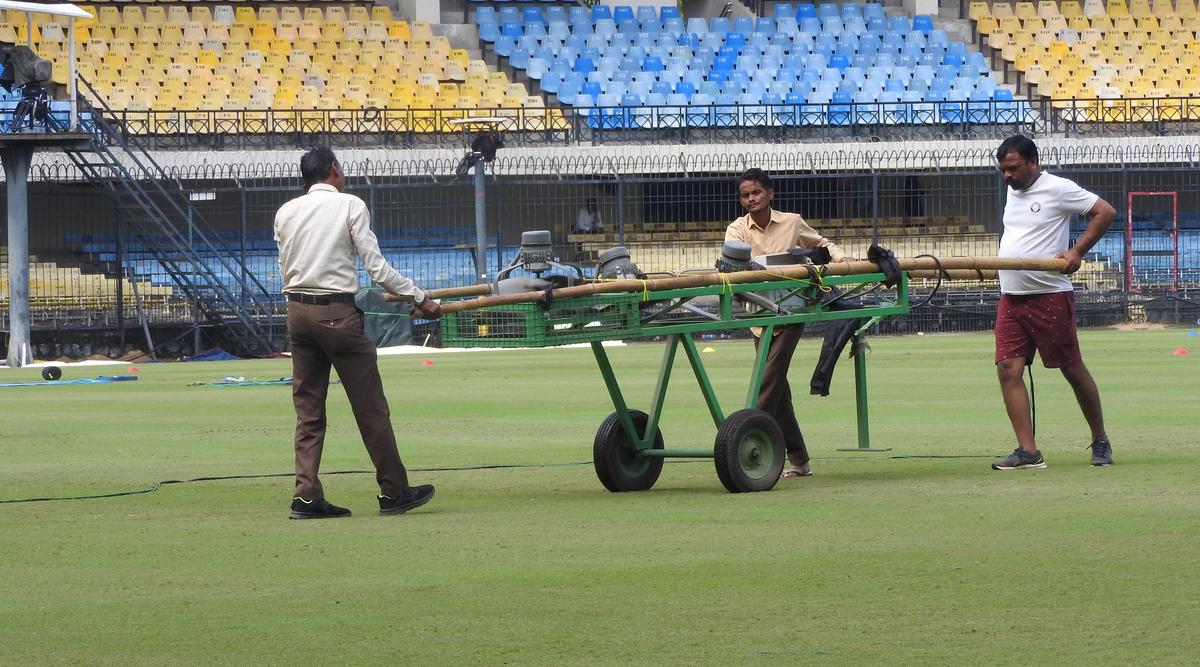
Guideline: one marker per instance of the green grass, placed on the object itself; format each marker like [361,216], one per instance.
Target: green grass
[875,560]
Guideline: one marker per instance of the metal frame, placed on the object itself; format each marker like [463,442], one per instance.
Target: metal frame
[1129,252]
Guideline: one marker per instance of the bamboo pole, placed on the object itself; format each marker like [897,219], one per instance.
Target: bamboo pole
[956,274]
[846,268]
[450,292]
[485,289]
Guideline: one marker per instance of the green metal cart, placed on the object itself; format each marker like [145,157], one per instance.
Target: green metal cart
[628,451]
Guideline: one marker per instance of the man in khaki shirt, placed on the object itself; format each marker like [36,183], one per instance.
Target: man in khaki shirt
[320,234]
[772,232]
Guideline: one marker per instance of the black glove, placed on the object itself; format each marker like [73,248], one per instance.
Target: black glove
[887,262]
[811,255]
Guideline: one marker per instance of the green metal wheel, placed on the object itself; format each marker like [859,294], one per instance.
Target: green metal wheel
[619,464]
[749,451]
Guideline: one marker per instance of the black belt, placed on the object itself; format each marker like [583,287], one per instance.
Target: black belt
[320,299]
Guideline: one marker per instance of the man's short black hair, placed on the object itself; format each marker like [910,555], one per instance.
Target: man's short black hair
[1019,144]
[758,176]
[316,164]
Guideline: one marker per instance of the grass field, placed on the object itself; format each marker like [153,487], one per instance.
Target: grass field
[878,559]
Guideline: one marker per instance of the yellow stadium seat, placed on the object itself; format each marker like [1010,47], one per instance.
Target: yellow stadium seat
[1186,9]
[421,30]
[1170,22]
[132,15]
[1001,9]
[310,29]
[244,15]
[314,14]
[1102,22]
[263,30]
[1117,8]
[400,30]
[1070,8]
[108,15]
[986,24]
[356,30]
[977,10]
[335,14]
[1025,9]
[1011,25]
[381,12]
[177,14]
[269,13]
[288,30]
[202,13]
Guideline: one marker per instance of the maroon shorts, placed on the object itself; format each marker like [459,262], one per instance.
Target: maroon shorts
[1042,322]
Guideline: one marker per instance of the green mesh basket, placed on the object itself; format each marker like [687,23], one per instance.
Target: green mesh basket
[581,320]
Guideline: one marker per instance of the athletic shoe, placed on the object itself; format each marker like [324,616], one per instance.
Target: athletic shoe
[1020,459]
[316,509]
[1101,452]
[412,498]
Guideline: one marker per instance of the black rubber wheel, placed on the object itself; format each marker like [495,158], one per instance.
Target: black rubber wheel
[51,373]
[619,465]
[749,451]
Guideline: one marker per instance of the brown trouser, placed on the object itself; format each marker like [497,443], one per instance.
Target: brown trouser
[332,335]
[775,395]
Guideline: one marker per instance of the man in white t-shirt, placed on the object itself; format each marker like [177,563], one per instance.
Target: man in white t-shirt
[1037,308]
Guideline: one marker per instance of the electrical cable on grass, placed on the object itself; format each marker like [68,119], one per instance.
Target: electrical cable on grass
[496,466]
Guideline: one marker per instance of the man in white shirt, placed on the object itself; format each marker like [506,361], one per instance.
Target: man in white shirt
[1037,308]
[588,220]
[320,234]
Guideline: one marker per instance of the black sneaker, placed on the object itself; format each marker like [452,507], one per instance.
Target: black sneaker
[1101,452]
[412,498]
[316,509]
[1020,459]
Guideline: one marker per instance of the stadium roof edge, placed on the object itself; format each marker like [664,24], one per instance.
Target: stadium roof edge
[57,9]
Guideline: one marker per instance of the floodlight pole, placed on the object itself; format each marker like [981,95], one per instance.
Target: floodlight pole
[480,220]
[16,161]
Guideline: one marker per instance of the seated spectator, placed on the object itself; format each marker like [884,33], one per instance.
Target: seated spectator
[588,220]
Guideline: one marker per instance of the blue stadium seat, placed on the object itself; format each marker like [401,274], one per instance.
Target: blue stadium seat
[699,112]
[488,32]
[510,14]
[784,10]
[668,12]
[623,13]
[922,23]
[805,10]
[839,111]
[601,12]
[532,15]
[577,16]
[719,24]
[486,14]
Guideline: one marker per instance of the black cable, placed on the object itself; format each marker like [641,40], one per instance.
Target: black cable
[157,485]
[497,466]
[936,286]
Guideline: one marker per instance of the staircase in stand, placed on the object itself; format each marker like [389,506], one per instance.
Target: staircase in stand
[232,304]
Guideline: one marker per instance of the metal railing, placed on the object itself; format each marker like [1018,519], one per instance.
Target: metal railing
[715,123]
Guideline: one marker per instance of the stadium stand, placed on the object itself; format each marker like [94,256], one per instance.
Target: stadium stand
[835,64]
[1106,61]
[281,61]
